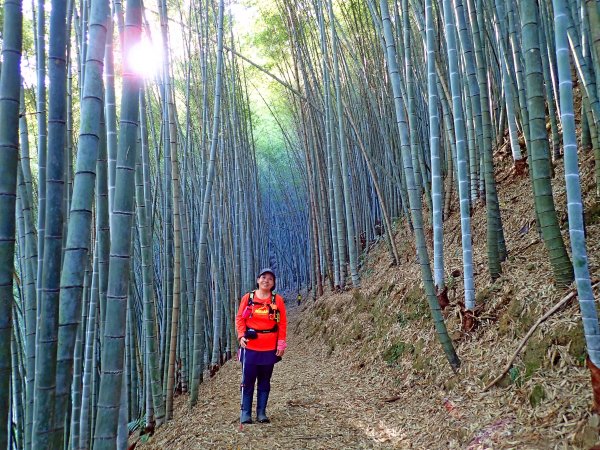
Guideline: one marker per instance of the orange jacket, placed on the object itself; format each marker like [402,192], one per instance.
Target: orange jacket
[260,320]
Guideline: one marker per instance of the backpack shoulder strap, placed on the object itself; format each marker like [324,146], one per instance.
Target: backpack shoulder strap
[273,309]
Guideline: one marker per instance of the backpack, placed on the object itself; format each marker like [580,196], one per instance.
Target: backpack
[273,310]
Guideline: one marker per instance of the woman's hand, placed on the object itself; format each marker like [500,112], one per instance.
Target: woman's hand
[281,346]
[243,342]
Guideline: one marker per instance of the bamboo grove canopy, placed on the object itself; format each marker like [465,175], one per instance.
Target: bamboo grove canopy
[149,166]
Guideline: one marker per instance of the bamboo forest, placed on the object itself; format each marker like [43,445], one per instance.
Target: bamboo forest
[421,179]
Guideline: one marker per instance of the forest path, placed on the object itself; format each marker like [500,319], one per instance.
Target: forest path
[313,404]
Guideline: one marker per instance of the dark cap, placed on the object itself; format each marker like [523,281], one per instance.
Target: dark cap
[267,270]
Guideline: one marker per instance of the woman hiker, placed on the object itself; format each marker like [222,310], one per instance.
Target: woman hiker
[261,325]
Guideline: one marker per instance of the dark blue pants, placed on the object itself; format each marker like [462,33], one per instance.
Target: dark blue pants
[257,369]
[260,374]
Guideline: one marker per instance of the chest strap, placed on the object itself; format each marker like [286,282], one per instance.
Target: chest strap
[251,299]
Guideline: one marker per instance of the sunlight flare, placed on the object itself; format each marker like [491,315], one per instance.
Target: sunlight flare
[145,58]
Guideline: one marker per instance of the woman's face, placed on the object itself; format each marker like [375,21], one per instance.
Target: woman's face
[266,282]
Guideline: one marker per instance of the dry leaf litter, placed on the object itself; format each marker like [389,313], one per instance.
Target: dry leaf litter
[364,368]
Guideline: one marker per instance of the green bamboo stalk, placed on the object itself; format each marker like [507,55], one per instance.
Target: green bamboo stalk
[10,82]
[539,151]
[350,232]
[80,220]
[149,309]
[17,432]
[175,180]
[434,148]
[83,421]
[517,67]
[415,206]
[77,384]
[42,129]
[587,305]
[26,199]
[110,113]
[111,380]
[335,193]
[461,155]
[44,428]
[201,289]
[494,225]
[475,126]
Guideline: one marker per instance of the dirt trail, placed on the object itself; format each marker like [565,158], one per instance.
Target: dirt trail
[313,404]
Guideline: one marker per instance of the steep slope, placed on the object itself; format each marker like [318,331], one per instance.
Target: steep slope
[384,328]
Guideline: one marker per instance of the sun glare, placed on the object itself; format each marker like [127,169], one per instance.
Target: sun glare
[145,58]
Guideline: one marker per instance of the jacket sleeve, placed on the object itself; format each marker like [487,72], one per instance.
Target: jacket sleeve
[240,322]
[282,335]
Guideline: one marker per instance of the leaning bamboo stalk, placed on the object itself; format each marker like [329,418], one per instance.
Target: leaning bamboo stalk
[415,206]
